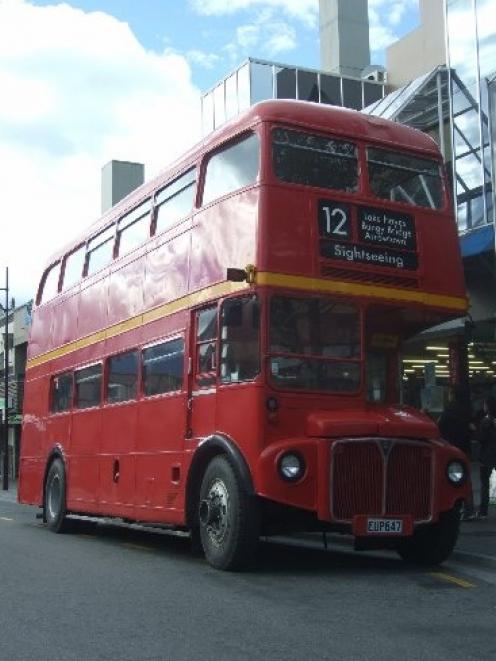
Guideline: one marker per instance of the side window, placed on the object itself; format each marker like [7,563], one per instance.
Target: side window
[240,340]
[50,284]
[122,381]
[163,367]
[134,228]
[175,201]
[88,386]
[73,267]
[232,168]
[61,399]
[100,250]
[206,346]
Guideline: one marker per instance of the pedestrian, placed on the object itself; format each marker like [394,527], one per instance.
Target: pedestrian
[487,452]
[455,427]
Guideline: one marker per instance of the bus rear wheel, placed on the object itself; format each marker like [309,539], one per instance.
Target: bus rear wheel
[433,544]
[228,516]
[55,497]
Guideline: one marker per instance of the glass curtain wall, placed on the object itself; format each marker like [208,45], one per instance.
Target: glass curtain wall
[258,80]
[471,27]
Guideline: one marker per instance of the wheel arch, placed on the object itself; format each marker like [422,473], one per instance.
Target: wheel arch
[210,447]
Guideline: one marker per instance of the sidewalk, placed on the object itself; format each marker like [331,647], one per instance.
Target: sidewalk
[477,540]
[11,494]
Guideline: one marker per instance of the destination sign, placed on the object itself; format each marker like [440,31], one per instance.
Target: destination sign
[358,254]
[386,228]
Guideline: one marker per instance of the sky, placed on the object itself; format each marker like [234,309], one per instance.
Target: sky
[86,81]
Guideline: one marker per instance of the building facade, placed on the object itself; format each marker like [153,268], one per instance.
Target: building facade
[259,80]
[19,323]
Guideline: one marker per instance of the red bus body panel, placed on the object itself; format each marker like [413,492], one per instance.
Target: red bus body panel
[132,459]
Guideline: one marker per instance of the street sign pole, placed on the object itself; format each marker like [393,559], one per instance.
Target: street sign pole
[5,426]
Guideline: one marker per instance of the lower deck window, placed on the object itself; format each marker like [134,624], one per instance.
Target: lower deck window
[122,383]
[240,340]
[88,386]
[163,367]
[61,399]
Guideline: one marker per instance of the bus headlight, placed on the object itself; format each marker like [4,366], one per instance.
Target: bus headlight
[456,472]
[291,466]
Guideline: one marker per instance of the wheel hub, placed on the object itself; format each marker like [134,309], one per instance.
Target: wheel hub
[214,511]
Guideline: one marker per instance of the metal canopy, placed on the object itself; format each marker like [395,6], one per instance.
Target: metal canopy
[420,104]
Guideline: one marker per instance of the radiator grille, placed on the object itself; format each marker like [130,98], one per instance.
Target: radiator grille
[358,478]
[369,481]
[408,486]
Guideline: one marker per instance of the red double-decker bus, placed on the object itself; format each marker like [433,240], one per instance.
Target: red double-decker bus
[220,353]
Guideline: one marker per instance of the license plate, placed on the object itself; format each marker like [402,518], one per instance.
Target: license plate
[384,526]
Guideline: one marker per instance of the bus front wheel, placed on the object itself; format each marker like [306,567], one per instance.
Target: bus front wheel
[432,544]
[228,516]
[55,497]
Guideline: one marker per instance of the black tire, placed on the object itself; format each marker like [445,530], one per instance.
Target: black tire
[228,516]
[432,544]
[55,497]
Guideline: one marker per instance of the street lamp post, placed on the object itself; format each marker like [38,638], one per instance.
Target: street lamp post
[5,426]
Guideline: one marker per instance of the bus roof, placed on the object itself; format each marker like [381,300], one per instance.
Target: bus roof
[344,121]
[341,121]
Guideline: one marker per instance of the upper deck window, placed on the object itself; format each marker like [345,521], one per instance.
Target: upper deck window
[100,250]
[315,344]
[134,228]
[313,160]
[404,178]
[73,268]
[50,284]
[175,201]
[235,167]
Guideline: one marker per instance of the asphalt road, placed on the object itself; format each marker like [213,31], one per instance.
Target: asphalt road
[110,592]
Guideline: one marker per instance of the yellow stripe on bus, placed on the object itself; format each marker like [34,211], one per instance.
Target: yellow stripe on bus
[454,303]
[165,310]
[303,283]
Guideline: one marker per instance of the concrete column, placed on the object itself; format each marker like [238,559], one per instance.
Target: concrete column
[344,36]
[119,178]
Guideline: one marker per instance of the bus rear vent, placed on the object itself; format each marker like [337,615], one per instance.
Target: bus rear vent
[360,276]
[367,480]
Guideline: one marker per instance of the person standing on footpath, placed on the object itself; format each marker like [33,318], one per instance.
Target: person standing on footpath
[455,427]
[487,453]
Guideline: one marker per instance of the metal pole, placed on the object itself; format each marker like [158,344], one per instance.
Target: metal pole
[5,429]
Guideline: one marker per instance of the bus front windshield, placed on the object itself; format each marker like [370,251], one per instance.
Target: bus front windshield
[314,344]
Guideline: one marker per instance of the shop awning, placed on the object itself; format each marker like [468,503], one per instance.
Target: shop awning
[477,241]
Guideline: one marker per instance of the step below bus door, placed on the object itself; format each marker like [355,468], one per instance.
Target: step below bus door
[203,374]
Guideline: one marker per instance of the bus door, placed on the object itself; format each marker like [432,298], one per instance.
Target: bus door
[203,376]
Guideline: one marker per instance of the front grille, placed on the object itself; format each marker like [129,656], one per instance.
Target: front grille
[372,480]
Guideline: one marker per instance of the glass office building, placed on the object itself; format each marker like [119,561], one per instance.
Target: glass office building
[259,80]
[471,48]
[461,95]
